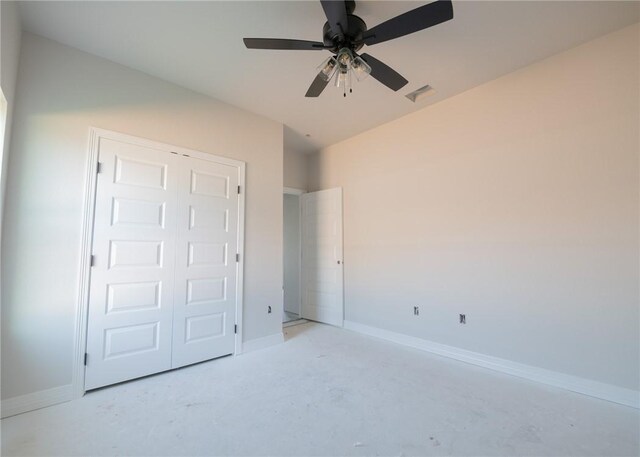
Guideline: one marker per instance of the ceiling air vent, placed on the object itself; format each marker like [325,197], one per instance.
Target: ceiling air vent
[421,93]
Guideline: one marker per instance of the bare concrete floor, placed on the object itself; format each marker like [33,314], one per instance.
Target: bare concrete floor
[327,391]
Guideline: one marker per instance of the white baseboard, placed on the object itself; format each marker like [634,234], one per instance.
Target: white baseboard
[35,400]
[261,343]
[49,397]
[294,323]
[584,386]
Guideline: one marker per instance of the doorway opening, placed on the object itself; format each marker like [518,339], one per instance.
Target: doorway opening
[292,257]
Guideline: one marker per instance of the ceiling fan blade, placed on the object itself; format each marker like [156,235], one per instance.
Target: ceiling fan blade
[317,86]
[384,73]
[413,21]
[282,43]
[336,12]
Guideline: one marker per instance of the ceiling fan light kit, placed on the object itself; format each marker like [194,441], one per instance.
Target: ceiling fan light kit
[344,34]
[341,67]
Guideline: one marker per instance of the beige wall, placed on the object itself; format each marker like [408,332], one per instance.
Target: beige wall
[515,203]
[61,93]
[295,170]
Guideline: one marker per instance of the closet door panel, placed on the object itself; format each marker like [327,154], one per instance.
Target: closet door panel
[132,279]
[206,269]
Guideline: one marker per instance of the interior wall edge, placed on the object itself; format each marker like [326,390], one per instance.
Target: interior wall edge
[583,386]
[11,31]
[295,173]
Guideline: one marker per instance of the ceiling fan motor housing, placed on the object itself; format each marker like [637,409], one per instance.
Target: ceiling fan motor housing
[352,36]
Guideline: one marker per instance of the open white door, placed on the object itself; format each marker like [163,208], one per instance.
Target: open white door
[322,282]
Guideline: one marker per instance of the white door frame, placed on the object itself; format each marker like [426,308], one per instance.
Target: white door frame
[82,308]
[298,193]
[293,191]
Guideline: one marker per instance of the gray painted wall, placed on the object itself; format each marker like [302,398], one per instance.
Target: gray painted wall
[295,166]
[61,93]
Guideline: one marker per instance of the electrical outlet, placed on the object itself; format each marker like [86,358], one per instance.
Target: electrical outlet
[463,318]
[416,310]
[268,309]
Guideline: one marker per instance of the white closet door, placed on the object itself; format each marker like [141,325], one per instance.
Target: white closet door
[322,293]
[207,243]
[132,281]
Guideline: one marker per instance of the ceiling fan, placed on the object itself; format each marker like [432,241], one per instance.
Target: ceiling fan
[344,34]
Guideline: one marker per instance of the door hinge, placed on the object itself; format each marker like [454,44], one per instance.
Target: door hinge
[99,168]
[237,257]
[235,328]
[86,358]
[92,262]
[238,189]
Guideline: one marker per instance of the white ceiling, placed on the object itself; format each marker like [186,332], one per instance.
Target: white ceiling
[198,45]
